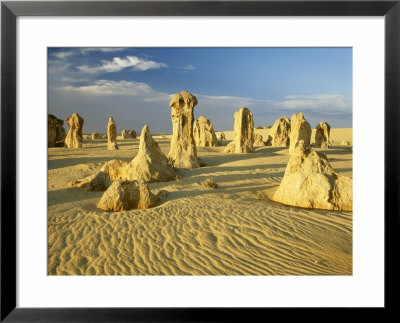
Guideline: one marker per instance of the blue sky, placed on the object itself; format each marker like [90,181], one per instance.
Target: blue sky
[135,85]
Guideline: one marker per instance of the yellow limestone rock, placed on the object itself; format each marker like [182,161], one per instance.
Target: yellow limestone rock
[51,131]
[311,182]
[243,133]
[125,134]
[60,137]
[183,148]
[150,164]
[279,133]
[74,136]
[258,140]
[97,182]
[322,135]
[132,133]
[300,129]
[203,133]
[112,134]
[56,132]
[95,135]
[127,195]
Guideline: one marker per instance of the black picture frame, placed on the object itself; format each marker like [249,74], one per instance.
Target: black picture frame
[10,10]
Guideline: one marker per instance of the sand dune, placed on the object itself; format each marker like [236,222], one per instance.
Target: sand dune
[227,231]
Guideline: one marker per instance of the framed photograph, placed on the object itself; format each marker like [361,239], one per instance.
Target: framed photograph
[197,160]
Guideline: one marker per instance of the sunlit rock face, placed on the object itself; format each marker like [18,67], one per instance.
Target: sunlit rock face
[74,136]
[258,140]
[279,133]
[203,133]
[322,133]
[300,129]
[150,164]
[183,147]
[127,195]
[243,133]
[112,134]
[311,182]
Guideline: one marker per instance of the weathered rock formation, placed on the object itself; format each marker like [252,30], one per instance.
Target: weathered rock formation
[203,133]
[132,133]
[150,164]
[97,182]
[51,131]
[60,136]
[74,136]
[311,182]
[279,133]
[56,132]
[95,135]
[345,143]
[125,134]
[258,140]
[183,148]
[243,133]
[112,134]
[221,137]
[322,135]
[300,129]
[127,195]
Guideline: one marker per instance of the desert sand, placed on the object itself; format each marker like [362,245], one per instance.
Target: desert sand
[232,230]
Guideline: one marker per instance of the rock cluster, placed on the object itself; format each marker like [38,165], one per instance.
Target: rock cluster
[300,129]
[74,136]
[127,195]
[150,164]
[243,133]
[279,133]
[111,134]
[126,134]
[183,147]
[322,135]
[203,133]
[311,182]
[95,135]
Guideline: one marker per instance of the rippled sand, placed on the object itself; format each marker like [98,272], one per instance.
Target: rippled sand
[227,231]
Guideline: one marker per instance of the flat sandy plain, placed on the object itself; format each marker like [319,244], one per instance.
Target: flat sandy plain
[194,231]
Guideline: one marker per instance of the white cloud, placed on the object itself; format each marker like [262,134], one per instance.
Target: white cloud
[118,64]
[327,103]
[124,88]
[62,55]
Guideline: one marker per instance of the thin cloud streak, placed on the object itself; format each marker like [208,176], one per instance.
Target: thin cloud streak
[118,64]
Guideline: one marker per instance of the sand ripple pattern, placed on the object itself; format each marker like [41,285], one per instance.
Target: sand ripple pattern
[198,232]
[199,236]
